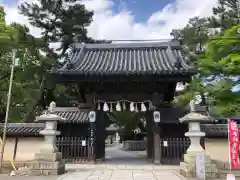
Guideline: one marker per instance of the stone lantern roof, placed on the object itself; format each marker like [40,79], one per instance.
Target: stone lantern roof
[197,114]
[195,117]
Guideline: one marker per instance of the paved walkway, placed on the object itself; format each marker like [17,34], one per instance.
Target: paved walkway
[119,165]
[104,175]
[121,175]
[115,155]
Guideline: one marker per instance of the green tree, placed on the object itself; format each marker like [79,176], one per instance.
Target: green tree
[218,73]
[63,22]
[193,38]
[27,72]
[216,58]
[127,122]
[220,69]
[60,21]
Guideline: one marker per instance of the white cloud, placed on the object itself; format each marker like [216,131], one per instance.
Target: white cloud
[108,25]
[13,15]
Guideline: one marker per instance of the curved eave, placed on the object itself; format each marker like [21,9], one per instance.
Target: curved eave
[182,75]
[106,73]
[91,77]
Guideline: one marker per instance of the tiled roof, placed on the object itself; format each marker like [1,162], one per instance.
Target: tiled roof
[130,58]
[72,114]
[28,129]
[236,118]
[215,130]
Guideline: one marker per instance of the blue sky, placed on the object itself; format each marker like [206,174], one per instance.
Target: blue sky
[129,19]
[141,9]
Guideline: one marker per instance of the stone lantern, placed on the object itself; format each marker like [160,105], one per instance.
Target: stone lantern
[194,132]
[49,160]
[189,166]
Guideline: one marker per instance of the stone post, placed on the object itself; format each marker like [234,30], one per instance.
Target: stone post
[49,160]
[188,168]
[117,139]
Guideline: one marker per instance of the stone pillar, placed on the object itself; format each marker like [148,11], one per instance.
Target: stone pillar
[188,167]
[48,161]
[117,138]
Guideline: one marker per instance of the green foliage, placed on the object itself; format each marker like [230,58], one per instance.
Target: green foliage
[222,55]
[222,62]
[218,59]
[61,21]
[127,122]
[27,72]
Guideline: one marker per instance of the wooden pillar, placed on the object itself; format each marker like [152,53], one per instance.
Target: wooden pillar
[100,136]
[157,145]
[92,139]
[15,149]
[150,123]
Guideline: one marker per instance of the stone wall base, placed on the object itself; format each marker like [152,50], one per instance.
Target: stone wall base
[46,172]
[41,168]
[188,167]
[52,157]
[134,145]
[47,164]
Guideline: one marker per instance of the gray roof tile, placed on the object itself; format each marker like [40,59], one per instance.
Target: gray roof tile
[215,130]
[28,129]
[33,129]
[129,58]
[72,114]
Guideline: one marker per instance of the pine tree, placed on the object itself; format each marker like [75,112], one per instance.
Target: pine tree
[225,15]
[193,37]
[62,21]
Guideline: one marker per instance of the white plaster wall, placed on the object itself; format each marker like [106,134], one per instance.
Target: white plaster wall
[25,150]
[217,148]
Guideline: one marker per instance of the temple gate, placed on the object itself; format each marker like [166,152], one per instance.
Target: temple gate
[131,75]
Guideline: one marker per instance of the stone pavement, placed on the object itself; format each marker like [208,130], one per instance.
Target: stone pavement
[121,175]
[119,165]
[6,177]
[109,172]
